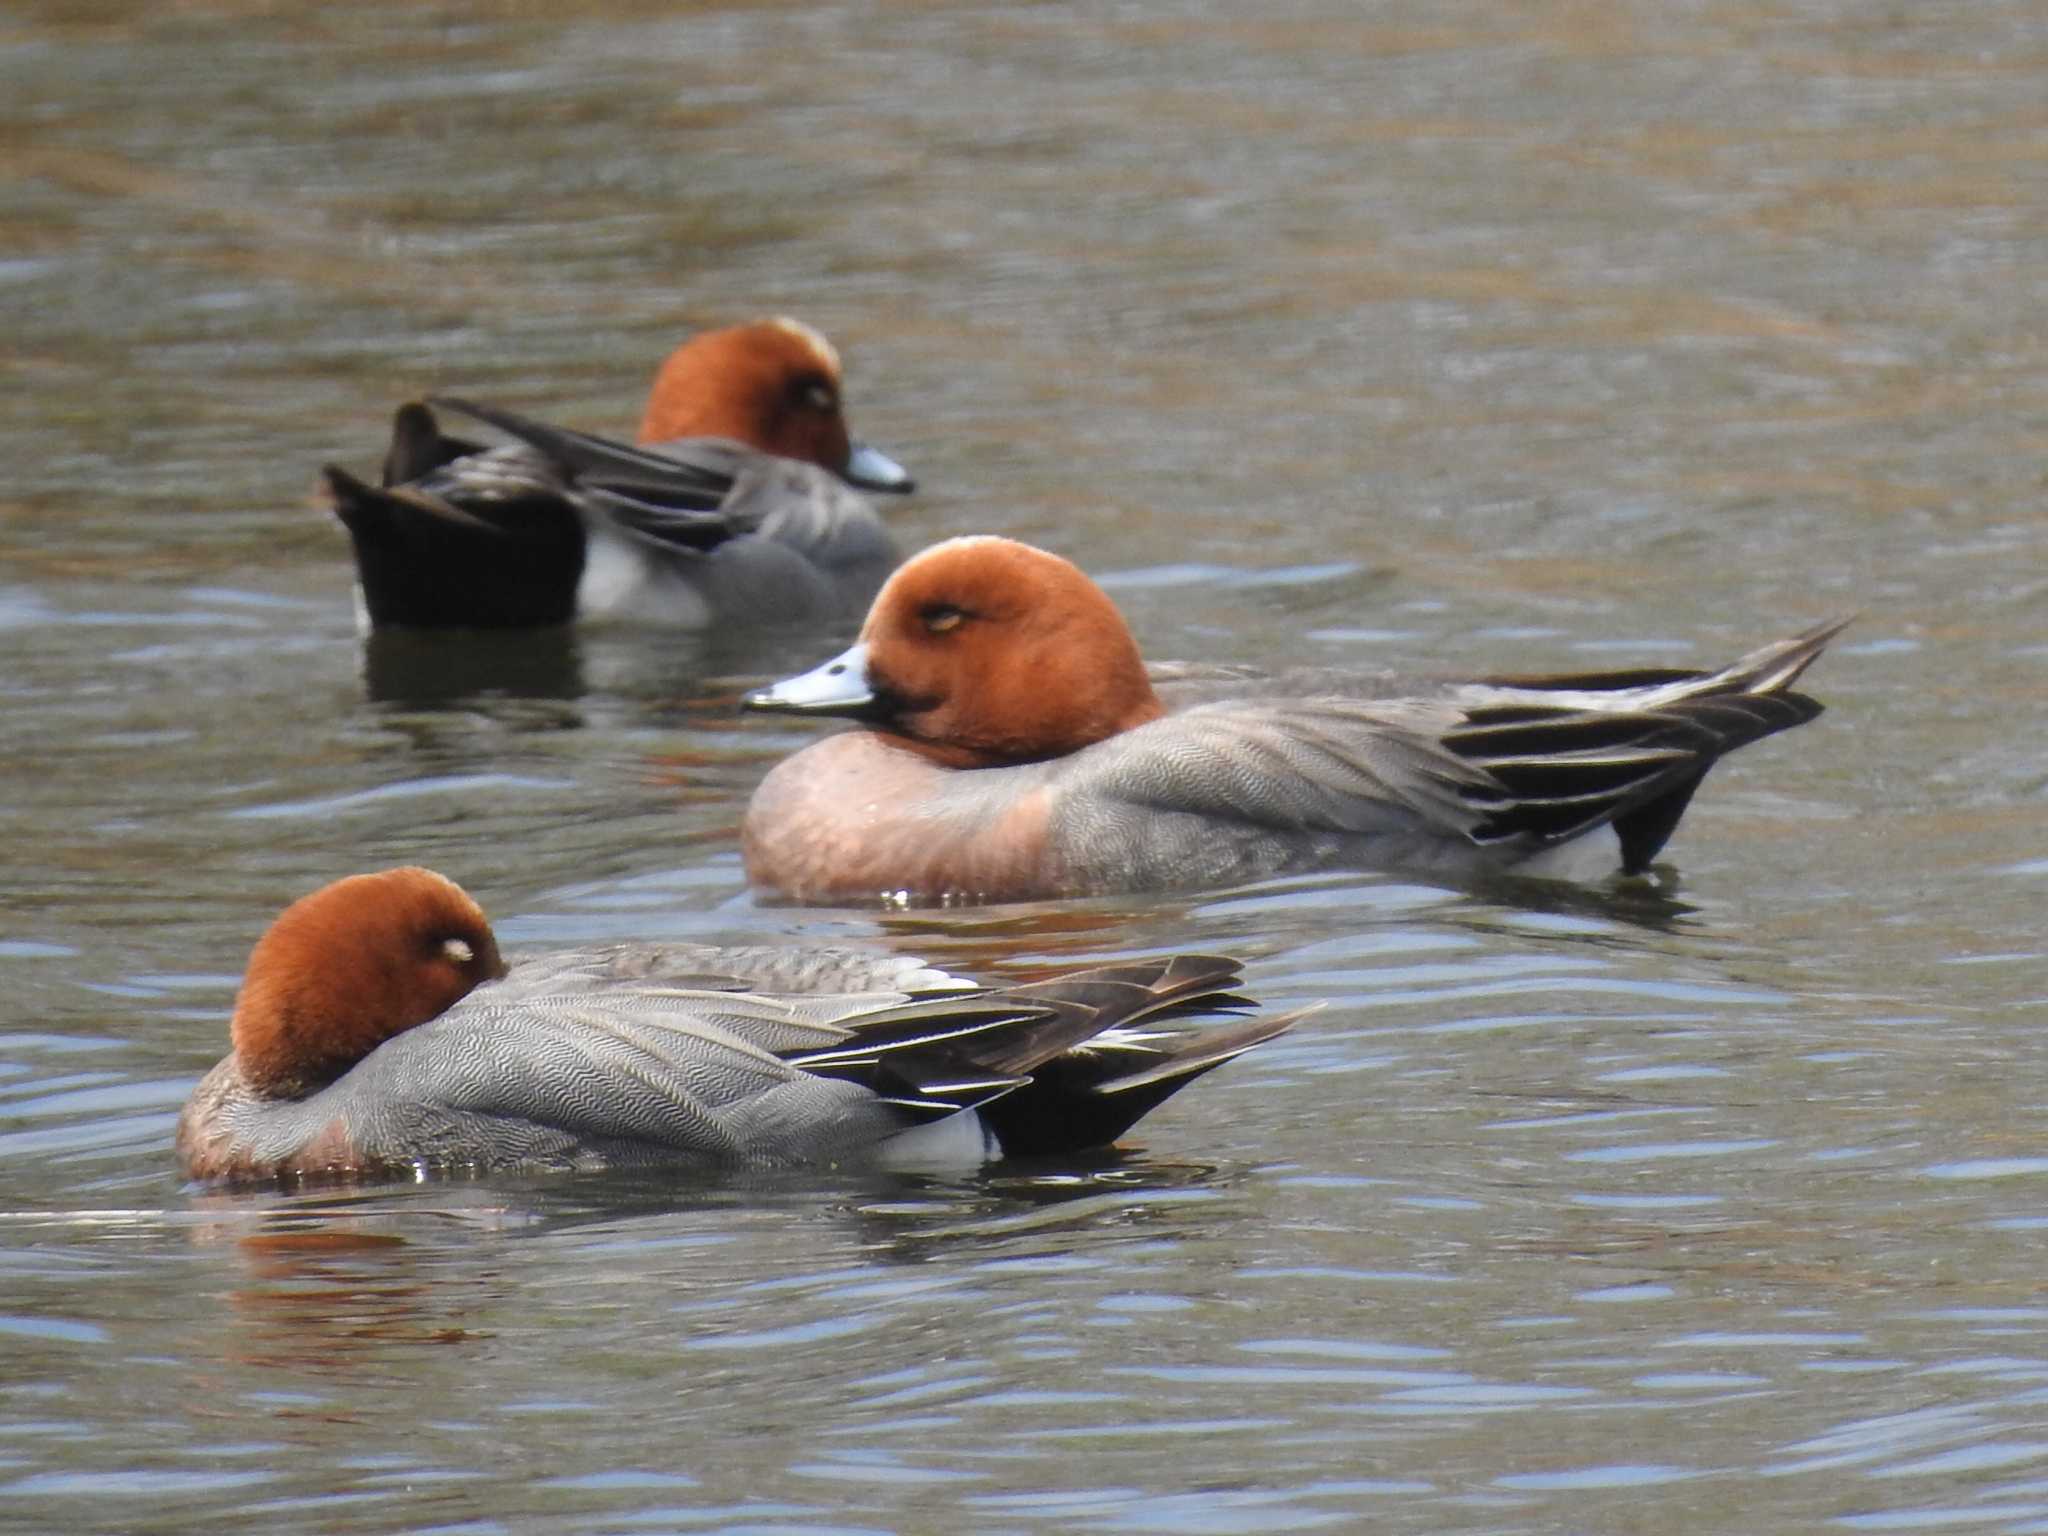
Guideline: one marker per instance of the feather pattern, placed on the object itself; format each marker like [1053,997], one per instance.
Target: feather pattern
[1253,774]
[696,1055]
[561,524]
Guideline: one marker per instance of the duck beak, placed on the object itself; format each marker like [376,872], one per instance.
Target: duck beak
[839,687]
[873,470]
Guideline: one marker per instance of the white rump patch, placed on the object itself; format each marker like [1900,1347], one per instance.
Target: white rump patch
[1592,856]
[622,581]
[958,1141]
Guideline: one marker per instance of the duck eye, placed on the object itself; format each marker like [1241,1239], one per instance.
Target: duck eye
[819,397]
[940,617]
[458,950]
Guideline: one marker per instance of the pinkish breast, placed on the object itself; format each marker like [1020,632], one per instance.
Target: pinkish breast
[861,817]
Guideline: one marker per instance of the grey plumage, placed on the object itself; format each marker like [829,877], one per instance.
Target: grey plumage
[561,524]
[753,1057]
[1253,775]
[754,533]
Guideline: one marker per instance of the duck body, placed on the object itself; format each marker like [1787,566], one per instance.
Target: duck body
[692,1056]
[1190,777]
[740,509]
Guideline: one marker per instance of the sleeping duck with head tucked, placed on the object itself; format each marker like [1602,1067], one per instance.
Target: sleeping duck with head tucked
[379,1033]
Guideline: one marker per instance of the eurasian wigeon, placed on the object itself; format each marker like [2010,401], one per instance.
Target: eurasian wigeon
[379,1033]
[738,509]
[1018,749]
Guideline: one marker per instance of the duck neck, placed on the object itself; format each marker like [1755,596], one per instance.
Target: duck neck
[1060,733]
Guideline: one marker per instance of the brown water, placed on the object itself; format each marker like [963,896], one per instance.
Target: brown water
[1468,335]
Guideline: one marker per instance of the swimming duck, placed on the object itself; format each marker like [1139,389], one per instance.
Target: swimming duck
[379,1033]
[738,509]
[1017,747]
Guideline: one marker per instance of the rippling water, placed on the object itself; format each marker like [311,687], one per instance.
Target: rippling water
[1461,335]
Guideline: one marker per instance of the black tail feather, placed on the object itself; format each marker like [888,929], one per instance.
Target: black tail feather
[1088,1098]
[419,447]
[520,559]
[1057,1065]
[1559,771]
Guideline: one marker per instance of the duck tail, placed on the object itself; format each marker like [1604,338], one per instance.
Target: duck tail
[1560,769]
[1089,1092]
[1054,1066]
[1745,701]
[1767,670]
[419,446]
[425,562]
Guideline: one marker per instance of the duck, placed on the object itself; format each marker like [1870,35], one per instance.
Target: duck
[380,1033]
[737,506]
[1015,746]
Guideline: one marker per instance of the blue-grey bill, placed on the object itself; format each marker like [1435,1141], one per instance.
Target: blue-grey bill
[873,470]
[838,687]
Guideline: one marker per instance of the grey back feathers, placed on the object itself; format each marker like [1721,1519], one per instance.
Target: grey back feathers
[1253,775]
[762,1058]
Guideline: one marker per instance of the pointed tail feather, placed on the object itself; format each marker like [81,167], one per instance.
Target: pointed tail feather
[1794,656]
[1088,1098]
[1119,997]
[1769,669]
[1568,766]
[419,446]
[1061,1064]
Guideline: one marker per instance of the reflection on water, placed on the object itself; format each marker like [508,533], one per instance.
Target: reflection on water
[427,669]
[338,1287]
[317,1300]
[1460,338]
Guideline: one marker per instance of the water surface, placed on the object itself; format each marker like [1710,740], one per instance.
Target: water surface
[1469,336]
